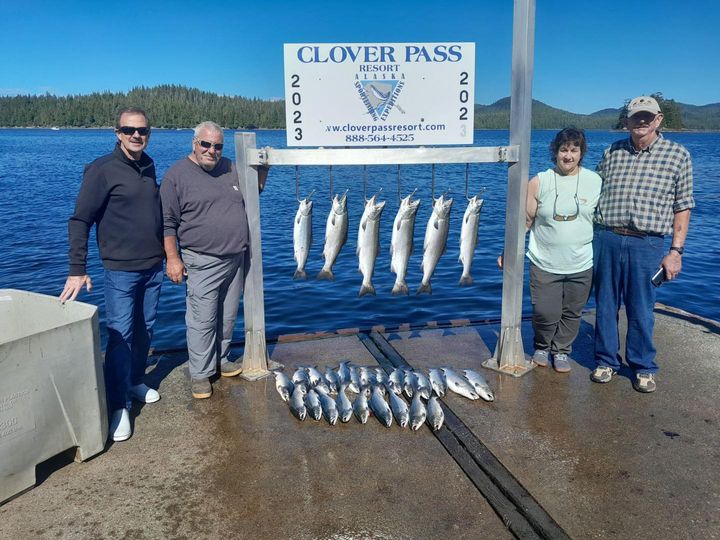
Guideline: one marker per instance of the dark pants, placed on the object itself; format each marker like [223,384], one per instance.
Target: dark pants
[623,268]
[131,301]
[558,300]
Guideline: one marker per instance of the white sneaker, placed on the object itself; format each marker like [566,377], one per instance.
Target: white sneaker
[120,425]
[144,394]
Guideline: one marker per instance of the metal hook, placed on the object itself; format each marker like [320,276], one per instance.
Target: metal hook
[297,185]
[467,179]
[398,182]
[310,194]
[376,194]
[432,194]
[331,183]
[365,182]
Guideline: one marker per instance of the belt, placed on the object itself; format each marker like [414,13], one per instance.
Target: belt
[624,231]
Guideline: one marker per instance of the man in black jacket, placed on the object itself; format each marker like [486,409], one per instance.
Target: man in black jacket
[119,194]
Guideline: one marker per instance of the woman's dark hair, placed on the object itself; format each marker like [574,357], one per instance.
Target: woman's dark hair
[569,135]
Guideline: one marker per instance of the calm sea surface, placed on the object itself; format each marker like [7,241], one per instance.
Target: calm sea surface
[41,170]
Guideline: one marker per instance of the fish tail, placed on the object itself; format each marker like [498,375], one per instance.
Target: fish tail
[366,289]
[299,274]
[326,274]
[400,288]
[424,288]
[466,280]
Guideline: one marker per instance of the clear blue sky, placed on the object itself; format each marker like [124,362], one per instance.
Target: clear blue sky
[589,55]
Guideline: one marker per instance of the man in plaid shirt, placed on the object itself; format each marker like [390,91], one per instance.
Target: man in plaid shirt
[647,194]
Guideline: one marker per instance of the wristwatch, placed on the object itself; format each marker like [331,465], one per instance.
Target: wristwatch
[680,249]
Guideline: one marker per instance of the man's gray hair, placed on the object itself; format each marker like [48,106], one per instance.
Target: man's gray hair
[208,126]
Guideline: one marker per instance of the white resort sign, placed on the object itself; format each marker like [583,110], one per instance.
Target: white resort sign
[379,94]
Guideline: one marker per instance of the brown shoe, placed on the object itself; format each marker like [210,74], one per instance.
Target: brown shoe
[231,369]
[201,388]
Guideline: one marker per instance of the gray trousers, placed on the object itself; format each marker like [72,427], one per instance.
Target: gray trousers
[558,300]
[214,290]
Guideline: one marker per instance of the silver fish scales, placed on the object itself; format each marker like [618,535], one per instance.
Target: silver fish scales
[401,242]
[369,243]
[302,237]
[336,231]
[468,237]
[435,243]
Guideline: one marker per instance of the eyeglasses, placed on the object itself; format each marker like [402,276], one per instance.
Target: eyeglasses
[130,130]
[208,145]
[646,117]
[570,217]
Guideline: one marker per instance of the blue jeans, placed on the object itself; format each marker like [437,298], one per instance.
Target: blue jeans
[623,268]
[131,301]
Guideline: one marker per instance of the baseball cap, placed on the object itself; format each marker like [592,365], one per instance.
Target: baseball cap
[643,104]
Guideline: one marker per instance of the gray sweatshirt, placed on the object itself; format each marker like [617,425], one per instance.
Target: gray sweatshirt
[205,210]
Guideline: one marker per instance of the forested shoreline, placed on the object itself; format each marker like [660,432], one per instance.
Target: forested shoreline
[174,106]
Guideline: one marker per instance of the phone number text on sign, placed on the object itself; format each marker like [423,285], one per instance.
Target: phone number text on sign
[379,94]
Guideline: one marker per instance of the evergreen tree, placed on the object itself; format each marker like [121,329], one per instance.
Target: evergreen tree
[672,115]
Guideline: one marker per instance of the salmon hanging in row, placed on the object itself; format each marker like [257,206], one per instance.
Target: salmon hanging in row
[401,244]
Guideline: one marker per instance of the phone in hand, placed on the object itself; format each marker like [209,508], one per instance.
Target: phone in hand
[659,277]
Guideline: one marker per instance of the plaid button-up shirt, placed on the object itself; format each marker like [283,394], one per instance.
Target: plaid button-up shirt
[643,190]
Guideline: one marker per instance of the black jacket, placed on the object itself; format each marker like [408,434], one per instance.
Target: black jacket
[122,198]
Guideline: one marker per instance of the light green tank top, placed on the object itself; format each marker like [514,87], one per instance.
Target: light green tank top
[564,247]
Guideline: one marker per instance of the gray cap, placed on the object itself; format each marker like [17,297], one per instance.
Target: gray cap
[643,104]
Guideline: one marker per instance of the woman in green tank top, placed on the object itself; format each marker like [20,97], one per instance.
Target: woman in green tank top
[561,202]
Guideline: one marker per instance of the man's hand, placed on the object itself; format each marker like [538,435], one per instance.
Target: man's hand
[501,261]
[73,286]
[175,270]
[672,263]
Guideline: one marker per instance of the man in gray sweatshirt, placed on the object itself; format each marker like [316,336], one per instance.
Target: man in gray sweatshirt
[204,215]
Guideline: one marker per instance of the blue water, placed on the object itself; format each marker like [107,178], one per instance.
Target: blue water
[41,170]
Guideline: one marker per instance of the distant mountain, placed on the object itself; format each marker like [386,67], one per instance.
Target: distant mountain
[606,112]
[701,116]
[176,106]
[497,116]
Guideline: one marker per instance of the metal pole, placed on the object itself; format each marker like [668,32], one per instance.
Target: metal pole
[509,355]
[386,156]
[255,357]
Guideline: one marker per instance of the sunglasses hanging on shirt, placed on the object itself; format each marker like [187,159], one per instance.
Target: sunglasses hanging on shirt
[570,217]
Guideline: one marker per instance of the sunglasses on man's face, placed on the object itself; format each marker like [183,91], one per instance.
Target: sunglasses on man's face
[129,130]
[208,145]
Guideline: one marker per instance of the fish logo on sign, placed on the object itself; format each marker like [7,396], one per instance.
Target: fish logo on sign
[379,97]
